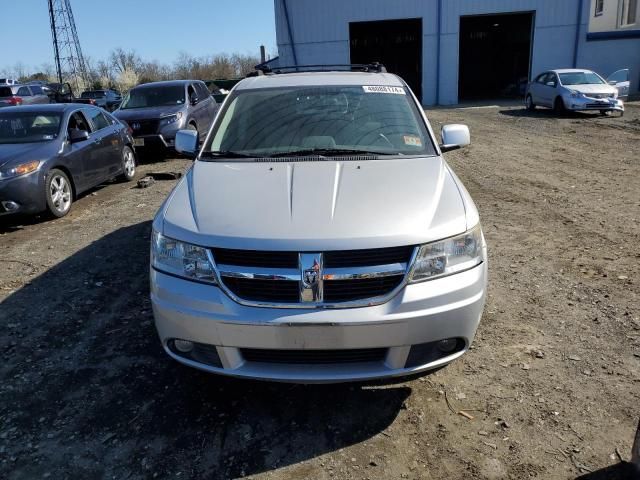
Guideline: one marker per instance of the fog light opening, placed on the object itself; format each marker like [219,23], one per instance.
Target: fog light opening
[10,206]
[184,346]
[447,345]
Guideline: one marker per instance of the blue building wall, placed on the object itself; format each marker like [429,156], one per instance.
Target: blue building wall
[320,31]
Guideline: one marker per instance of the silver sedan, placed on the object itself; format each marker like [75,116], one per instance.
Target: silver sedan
[572,89]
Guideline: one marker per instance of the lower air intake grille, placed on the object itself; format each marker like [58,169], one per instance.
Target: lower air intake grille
[281,291]
[348,290]
[314,357]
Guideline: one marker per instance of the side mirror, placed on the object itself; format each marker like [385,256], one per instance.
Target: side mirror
[76,135]
[194,99]
[612,82]
[187,143]
[454,136]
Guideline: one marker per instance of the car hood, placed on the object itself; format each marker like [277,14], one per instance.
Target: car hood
[16,153]
[593,88]
[317,205]
[145,113]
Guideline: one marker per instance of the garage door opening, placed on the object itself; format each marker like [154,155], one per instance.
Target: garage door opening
[495,55]
[397,44]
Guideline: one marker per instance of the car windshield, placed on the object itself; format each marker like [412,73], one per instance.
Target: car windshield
[28,127]
[580,78]
[325,120]
[93,94]
[154,97]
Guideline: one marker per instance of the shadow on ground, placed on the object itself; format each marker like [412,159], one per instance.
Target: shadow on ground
[549,113]
[87,391]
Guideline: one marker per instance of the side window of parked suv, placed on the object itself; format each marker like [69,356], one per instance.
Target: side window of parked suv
[24,92]
[98,119]
[203,91]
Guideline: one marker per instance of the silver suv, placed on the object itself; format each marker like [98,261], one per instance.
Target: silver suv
[319,236]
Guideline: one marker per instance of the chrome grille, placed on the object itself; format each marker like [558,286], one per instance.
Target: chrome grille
[345,278]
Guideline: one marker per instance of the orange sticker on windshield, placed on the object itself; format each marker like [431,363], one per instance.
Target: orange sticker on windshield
[412,140]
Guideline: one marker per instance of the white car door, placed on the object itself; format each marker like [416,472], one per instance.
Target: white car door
[535,89]
[548,89]
[620,80]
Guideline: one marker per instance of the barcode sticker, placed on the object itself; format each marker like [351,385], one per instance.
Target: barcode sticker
[383,89]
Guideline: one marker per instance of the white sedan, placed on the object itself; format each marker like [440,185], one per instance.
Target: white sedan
[573,89]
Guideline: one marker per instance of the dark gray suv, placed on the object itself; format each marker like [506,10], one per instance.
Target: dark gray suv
[156,111]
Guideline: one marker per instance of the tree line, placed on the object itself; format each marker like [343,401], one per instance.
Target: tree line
[124,69]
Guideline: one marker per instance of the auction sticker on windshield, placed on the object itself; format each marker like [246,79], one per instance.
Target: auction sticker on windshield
[383,89]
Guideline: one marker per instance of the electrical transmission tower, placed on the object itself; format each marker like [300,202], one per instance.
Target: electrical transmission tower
[70,64]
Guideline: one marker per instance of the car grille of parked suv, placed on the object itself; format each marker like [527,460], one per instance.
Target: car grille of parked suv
[144,127]
[347,277]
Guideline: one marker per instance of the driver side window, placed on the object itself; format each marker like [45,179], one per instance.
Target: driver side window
[551,80]
[77,121]
[191,93]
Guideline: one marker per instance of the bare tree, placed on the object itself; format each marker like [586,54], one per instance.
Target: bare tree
[122,60]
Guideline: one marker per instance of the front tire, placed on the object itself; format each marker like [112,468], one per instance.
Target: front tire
[58,193]
[528,102]
[128,164]
[558,106]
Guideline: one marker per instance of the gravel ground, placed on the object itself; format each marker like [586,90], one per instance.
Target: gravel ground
[550,388]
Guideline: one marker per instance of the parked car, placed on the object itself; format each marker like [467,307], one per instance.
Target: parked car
[319,236]
[620,80]
[8,81]
[572,89]
[49,154]
[156,111]
[13,95]
[107,99]
[63,93]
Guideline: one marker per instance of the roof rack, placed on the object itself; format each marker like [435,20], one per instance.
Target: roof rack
[374,67]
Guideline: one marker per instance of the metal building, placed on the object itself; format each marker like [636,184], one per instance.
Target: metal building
[455,50]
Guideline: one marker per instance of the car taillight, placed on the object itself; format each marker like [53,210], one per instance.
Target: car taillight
[15,100]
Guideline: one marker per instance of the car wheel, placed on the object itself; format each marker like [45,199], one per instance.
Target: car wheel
[528,102]
[558,106]
[58,193]
[128,164]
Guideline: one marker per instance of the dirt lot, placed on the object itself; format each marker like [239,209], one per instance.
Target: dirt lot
[552,381]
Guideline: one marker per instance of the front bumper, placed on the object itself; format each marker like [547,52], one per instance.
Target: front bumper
[152,142]
[588,103]
[422,313]
[25,191]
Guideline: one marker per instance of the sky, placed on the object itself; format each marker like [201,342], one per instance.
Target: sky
[155,29]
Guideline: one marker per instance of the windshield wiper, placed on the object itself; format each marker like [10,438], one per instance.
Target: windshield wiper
[328,152]
[225,154]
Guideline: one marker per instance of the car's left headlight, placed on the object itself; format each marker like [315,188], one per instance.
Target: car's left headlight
[181,259]
[448,256]
[22,169]
[576,94]
[169,119]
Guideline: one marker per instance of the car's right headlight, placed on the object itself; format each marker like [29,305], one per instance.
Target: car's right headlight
[448,256]
[22,169]
[169,119]
[181,259]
